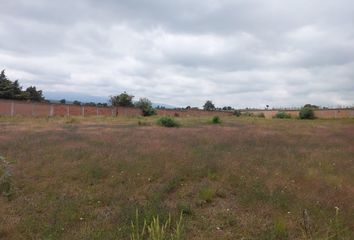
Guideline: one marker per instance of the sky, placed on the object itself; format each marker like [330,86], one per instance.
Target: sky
[240,53]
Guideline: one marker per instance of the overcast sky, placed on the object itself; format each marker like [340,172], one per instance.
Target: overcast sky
[240,53]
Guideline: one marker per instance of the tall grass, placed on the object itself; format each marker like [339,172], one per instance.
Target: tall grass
[156,230]
[334,230]
[5,179]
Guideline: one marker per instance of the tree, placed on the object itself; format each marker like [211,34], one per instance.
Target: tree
[146,106]
[13,90]
[34,94]
[311,106]
[92,104]
[62,101]
[102,104]
[227,108]
[209,106]
[77,102]
[123,100]
[6,86]
[307,112]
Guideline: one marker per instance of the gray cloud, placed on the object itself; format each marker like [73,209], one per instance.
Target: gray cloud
[239,53]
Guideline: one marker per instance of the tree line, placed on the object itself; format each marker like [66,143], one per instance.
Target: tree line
[13,90]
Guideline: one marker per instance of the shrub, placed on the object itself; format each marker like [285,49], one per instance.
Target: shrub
[237,113]
[146,107]
[306,113]
[216,120]
[281,114]
[167,122]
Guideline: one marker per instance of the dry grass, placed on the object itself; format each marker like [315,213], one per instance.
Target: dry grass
[246,178]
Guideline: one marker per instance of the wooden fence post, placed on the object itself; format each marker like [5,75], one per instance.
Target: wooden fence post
[33,106]
[12,108]
[51,110]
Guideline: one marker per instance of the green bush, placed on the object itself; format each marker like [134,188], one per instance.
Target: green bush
[306,113]
[216,120]
[237,113]
[146,107]
[167,122]
[282,115]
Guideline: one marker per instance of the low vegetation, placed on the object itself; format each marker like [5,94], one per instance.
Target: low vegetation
[111,178]
[282,115]
[216,120]
[155,229]
[168,122]
[237,113]
[5,179]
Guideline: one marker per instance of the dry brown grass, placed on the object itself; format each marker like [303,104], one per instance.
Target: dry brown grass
[242,179]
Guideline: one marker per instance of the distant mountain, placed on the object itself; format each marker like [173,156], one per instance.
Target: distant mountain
[155,105]
[70,97]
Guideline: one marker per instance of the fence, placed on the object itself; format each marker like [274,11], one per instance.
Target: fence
[319,113]
[23,108]
[191,112]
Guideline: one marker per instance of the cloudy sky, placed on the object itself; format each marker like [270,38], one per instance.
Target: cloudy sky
[243,53]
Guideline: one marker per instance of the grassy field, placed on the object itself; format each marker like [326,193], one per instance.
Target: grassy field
[246,178]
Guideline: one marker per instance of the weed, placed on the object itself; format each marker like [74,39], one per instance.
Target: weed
[5,179]
[137,231]
[168,122]
[185,208]
[334,230]
[173,184]
[156,230]
[216,120]
[207,194]
[337,230]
